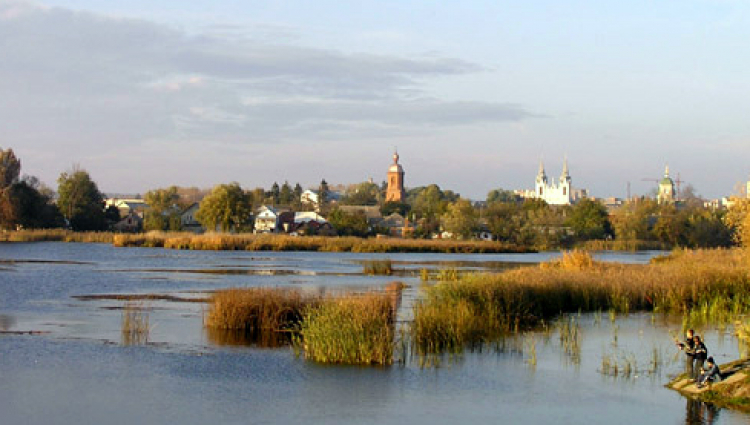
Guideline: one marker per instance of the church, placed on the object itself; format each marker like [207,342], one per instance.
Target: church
[395,191]
[554,193]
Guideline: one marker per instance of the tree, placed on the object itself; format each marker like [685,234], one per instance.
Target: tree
[285,195]
[738,220]
[365,193]
[589,220]
[28,205]
[297,196]
[10,168]
[501,195]
[460,219]
[80,201]
[505,221]
[275,193]
[324,194]
[632,221]
[226,207]
[163,210]
[395,207]
[347,224]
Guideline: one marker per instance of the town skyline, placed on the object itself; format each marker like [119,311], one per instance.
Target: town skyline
[145,97]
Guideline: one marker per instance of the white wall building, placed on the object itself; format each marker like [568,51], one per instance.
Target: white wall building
[554,193]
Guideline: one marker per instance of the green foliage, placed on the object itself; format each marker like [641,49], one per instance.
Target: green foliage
[80,201]
[589,220]
[286,196]
[227,207]
[163,212]
[460,219]
[364,193]
[501,195]
[632,221]
[395,207]
[27,205]
[346,224]
[10,168]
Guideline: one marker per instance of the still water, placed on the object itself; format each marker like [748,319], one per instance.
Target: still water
[78,372]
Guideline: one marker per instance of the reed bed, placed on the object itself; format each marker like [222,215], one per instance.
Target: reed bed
[56,235]
[356,329]
[712,284]
[277,242]
[262,315]
[135,324]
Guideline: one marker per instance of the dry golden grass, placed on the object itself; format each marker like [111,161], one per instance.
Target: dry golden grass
[276,242]
[55,235]
[257,311]
[706,285]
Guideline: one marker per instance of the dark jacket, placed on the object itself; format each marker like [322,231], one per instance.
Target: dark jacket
[701,352]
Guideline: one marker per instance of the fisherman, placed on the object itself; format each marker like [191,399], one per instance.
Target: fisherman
[689,348]
[712,374]
[700,353]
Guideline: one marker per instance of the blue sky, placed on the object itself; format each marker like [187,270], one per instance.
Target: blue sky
[474,94]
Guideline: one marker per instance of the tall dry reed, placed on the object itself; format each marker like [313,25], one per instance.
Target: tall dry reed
[705,283]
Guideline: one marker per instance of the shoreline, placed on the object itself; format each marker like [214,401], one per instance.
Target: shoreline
[732,392]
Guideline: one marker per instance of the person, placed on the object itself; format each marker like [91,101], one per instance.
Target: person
[700,353]
[712,374]
[689,348]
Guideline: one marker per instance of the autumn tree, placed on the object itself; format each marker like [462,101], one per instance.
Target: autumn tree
[226,207]
[589,219]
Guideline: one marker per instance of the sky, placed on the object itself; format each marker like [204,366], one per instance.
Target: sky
[473,94]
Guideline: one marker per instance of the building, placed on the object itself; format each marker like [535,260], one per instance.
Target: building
[667,193]
[126,206]
[554,193]
[311,199]
[395,191]
[266,220]
[188,222]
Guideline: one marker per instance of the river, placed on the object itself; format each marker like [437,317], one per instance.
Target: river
[77,371]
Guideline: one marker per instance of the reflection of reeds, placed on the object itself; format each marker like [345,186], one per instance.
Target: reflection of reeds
[377,267]
[356,329]
[711,284]
[135,324]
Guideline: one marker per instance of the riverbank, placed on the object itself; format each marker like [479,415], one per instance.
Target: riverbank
[733,391]
[266,242]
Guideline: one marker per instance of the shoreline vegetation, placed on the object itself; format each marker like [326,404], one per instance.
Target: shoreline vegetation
[733,391]
[265,242]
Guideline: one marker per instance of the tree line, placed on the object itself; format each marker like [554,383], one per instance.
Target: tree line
[25,202]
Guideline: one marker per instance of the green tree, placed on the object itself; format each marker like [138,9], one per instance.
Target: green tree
[324,193]
[80,201]
[286,195]
[670,227]
[275,193]
[589,219]
[633,220]
[10,168]
[505,221]
[501,195]
[297,196]
[395,207]
[29,205]
[364,193]
[349,224]
[163,209]
[226,207]
[460,219]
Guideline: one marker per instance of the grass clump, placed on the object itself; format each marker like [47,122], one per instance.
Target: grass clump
[349,330]
[377,267]
[262,315]
[135,324]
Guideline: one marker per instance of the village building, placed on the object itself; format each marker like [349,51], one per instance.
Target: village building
[188,222]
[554,193]
[667,193]
[395,191]
[266,220]
[126,206]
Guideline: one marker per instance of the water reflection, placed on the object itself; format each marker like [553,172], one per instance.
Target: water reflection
[700,413]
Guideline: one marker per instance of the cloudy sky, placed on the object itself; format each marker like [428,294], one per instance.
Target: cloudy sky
[474,94]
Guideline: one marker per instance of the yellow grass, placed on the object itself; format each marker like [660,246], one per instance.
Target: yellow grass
[135,324]
[55,235]
[706,285]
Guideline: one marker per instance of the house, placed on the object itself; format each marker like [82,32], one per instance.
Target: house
[310,199]
[372,213]
[126,205]
[188,222]
[396,225]
[267,220]
[132,223]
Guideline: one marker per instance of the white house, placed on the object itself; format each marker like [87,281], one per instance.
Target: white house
[266,220]
[310,198]
[188,221]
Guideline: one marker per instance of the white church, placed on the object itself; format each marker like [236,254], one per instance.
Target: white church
[554,193]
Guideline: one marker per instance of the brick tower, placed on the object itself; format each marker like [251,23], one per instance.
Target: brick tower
[395,192]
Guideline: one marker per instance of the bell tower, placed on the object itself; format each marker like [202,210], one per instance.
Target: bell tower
[395,191]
